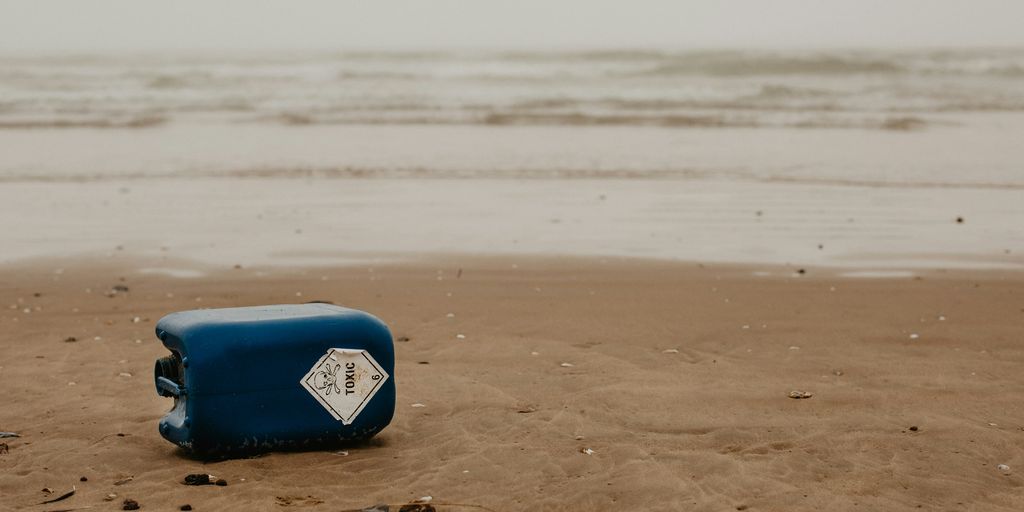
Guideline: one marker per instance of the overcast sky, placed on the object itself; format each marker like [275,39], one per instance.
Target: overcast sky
[132,25]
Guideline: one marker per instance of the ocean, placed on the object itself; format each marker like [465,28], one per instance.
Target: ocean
[848,89]
[613,112]
[745,156]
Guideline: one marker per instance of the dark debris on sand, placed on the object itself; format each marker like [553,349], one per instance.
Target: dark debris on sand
[203,479]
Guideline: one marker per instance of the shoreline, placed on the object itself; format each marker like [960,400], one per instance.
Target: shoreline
[327,222]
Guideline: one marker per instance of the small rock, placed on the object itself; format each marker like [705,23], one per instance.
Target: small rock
[380,507]
[83,479]
[800,394]
[913,428]
[221,482]
[110,497]
[1004,468]
[460,336]
[420,505]
[959,220]
[566,365]
[670,351]
[130,504]
[418,405]
[586,451]
[199,479]
[914,336]
[185,507]
[70,339]
[403,339]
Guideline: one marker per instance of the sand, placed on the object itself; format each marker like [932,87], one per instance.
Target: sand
[678,384]
[325,221]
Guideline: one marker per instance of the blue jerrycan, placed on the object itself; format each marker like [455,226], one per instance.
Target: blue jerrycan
[288,377]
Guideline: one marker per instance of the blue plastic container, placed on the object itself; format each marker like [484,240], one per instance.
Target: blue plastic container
[253,379]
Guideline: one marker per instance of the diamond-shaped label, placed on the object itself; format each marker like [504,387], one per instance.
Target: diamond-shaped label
[343,381]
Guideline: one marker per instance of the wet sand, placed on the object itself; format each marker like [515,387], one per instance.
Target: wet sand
[328,221]
[678,384]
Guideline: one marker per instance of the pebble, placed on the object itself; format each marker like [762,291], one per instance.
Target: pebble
[670,351]
[130,504]
[914,336]
[800,394]
[586,451]
[199,479]
[566,365]
[418,405]
[460,336]
[1004,468]
[185,507]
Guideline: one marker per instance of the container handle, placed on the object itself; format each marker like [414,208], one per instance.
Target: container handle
[168,387]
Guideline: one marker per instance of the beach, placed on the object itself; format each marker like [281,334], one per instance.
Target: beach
[622,280]
[509,369]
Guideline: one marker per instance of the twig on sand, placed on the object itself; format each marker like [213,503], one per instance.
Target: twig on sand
[62,496]
[465,505]
[435,504]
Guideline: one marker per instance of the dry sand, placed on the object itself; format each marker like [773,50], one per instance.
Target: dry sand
[679,382]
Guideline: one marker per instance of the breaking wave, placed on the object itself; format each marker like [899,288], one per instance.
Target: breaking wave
[842,89]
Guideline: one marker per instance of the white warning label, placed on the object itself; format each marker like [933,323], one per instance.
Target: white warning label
[344,381]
